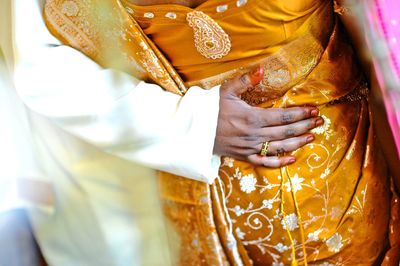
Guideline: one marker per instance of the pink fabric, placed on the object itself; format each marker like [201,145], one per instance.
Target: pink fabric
[388,12]
[383,35]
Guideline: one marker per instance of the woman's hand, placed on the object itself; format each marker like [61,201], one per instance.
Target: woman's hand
[242,129]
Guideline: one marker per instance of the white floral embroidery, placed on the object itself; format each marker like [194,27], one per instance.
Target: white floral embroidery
[292,222]
[324,128]
[278,264]
[296,182]
[239,233]
[248,183]
[264,216]
[238,211]
[314,236]
[325,173]
[237,173]
[359,204]
[281,247]
[268,203]
[335,212]
[228,161]
[334,243]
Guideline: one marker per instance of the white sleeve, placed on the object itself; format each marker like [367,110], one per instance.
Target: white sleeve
[111,109]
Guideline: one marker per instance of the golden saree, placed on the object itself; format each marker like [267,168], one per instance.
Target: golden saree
[331,207]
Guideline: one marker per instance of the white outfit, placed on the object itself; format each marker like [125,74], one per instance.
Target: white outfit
[15,148]
[90,128]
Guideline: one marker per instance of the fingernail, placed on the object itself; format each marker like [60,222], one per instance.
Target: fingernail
[256,75]
[319,121]
[292,160]
[257,72]
[310,138]
[314,112]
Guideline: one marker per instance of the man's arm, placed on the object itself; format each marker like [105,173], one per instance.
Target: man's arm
[110,109]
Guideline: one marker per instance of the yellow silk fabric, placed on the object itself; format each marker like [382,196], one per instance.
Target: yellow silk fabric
[332,205]
[256,30]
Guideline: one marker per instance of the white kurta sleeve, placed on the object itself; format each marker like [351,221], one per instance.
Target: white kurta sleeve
[110,109]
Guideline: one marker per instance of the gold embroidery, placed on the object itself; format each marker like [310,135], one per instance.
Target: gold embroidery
[72,29]
[357,94]
[210,39]
[281,70]
[104,31]
[70,8]
[148,60]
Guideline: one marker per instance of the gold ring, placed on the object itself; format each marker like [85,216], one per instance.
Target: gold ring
[264,148]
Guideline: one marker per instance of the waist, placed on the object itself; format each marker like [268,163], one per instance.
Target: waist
[303,72]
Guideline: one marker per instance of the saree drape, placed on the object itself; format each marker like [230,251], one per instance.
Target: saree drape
[333,205]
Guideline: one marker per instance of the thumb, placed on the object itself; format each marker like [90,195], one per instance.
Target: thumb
[239,85]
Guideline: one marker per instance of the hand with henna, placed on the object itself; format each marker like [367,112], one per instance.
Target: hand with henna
[243,129]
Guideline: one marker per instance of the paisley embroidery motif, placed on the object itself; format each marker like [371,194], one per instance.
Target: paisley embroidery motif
[210,39]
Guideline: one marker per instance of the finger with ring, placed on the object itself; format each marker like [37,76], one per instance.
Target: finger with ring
[264,149]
